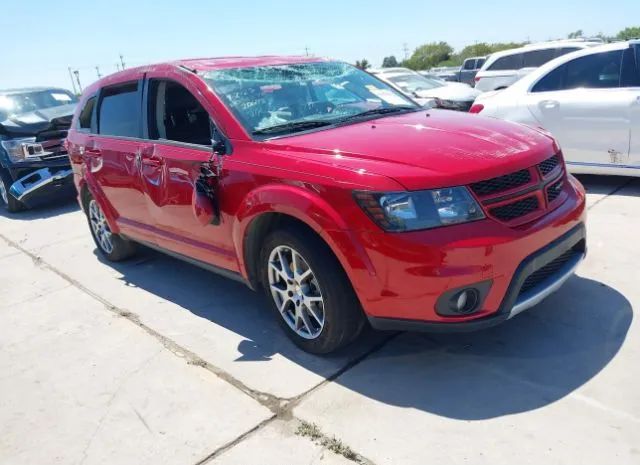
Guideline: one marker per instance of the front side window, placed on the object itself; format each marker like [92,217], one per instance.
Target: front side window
[509,62]
[176,115]
[469,64]
[283,99]
[596,71]
[600,70]
[119,111]
[480,63]
[14,104]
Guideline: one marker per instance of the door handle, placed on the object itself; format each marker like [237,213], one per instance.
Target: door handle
[549,104]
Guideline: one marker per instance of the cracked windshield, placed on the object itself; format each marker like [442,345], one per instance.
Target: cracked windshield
[277,100]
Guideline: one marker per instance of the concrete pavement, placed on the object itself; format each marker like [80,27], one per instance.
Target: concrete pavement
[155,361]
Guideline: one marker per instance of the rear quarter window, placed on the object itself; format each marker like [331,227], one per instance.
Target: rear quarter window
[119,111]
[85,119]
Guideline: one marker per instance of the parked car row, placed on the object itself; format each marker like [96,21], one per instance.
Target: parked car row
[589,100]
[465,73]
[429,91]
[343,195]
[345,201]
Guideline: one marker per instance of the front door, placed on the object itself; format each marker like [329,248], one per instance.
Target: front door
[178,157]
[585,106]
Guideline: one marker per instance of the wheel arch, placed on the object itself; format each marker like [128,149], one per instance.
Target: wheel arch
[278,206]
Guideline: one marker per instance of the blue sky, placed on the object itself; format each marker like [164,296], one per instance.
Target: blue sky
[84,34]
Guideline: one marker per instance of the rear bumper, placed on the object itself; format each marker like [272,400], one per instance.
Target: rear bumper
[43,185]
[516,300]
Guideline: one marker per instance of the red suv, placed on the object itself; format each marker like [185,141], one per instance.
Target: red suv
[338,196]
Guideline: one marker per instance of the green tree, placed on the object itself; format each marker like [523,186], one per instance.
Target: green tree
[389,62]
[363,64]
[629,33]
[429,55]
[575,34]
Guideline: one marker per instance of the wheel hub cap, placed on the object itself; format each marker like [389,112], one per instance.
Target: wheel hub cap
[296,292]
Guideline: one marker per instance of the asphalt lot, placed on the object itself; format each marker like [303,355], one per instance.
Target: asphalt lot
[154,361]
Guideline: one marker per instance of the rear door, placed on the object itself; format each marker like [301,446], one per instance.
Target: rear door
[585,104]
[114,156]
[179,130]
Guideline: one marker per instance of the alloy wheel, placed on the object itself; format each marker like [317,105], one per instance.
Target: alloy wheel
[296,292]
[100,227]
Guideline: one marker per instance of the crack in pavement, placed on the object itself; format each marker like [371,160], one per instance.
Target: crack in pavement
[281,408]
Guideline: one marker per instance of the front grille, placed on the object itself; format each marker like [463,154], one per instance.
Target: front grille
[502,183]
[547,270]
[554,191]
[53,143]
[516,209]
[548,165]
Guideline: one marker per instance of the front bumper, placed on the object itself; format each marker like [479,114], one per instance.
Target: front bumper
[517,299]
[411,272]
[43,185]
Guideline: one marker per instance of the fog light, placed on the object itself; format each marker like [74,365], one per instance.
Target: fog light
[465,301]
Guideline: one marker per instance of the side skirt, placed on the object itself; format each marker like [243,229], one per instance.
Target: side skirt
[204,265]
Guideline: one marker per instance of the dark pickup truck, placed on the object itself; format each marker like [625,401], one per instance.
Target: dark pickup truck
[34,166]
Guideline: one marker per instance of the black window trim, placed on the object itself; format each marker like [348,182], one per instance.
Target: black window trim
[101,96]
[145,121]
[93,129]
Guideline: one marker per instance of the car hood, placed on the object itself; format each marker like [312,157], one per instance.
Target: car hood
[423,149]
[451,92]
[34,122]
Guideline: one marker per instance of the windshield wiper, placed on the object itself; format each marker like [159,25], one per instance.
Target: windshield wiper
[380,111]
[293,126]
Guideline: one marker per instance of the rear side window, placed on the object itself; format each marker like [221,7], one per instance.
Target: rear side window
[119,111]
[509,62]
[536,58]
[86,115]
[597,71]
[176,115]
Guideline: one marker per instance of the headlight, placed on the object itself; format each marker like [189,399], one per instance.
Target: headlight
[409,211]
[25,149]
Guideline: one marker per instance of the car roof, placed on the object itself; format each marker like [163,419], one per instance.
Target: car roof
[25,90]
[541,46]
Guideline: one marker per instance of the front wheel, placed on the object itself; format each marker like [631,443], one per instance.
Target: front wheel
[309,291]
[112,246]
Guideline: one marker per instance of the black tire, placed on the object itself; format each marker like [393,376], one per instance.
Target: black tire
[121,248]
[12,205]
[343,315]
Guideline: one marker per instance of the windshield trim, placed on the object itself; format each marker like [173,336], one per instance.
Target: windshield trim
[339,123]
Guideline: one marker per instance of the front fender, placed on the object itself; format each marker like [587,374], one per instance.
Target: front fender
[310,208]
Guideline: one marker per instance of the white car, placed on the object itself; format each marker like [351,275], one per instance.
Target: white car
[428,91]
[504,68]
[588,100]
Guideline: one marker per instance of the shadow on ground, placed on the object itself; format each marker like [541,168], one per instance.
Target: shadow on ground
[528,362]
[60,207]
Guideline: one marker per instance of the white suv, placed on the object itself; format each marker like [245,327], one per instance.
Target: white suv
[504,68]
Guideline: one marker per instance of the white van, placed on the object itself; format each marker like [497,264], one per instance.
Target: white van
[504,68]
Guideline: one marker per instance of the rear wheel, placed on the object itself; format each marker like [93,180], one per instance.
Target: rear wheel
[112,246]
[7,200]
[309,290]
